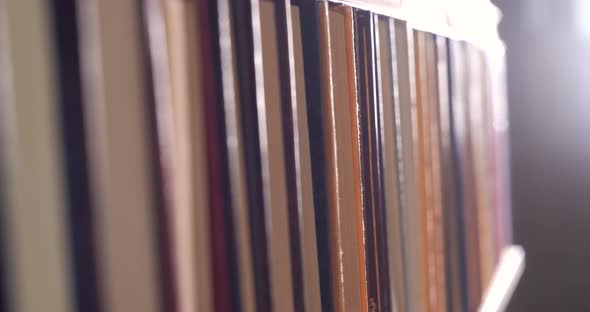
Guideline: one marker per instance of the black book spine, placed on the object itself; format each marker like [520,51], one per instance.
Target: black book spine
[363,39]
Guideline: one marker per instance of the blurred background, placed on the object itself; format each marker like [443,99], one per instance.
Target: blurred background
[548,44]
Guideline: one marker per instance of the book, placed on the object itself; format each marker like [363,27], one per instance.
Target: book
[449,180]
[311,286]
[225,264]
[457,102]
[75,160]
[469,180]
[447,170]
[357,153]
[290,140]
[414,247]
[312,68]
[378,175]
[246,17]
[190,214]
[274,164]
[121,173]
[188,165]
[162,145]
[481,153]
[338,146]
[235,146]
[438,225]
[34,215]
[389,94]
[424,169]
[368,118]
[491,167]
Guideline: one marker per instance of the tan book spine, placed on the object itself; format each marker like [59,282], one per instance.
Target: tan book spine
[272,128]
[424,170]
[481,152]
[470,187]
[389,93]
[113,80]
[189,215]
[34,219]
[437,215]
[344,165]
[341,200]
[330,145]
[355,133]
[414,246]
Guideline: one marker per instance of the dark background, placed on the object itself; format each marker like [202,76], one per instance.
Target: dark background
[548,59]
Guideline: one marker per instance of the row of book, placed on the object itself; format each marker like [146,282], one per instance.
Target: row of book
[244,155]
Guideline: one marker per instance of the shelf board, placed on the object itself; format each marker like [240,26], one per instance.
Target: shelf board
[505,279]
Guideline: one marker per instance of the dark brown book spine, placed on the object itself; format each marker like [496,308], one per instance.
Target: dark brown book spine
[225,277]
[363,56]
[378,284]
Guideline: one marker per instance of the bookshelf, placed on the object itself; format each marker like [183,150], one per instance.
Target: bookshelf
[260,155]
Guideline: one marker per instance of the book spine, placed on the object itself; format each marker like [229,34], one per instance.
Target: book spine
[226,295]
[311,36]
[290,132]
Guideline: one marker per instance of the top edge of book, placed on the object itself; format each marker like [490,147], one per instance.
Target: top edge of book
[473,21]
